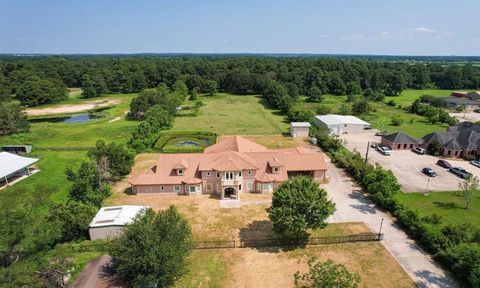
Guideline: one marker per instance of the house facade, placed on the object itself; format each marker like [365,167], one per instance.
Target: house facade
[231,167]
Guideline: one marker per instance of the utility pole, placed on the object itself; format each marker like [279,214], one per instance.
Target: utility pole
[380,230]
[366,154]
[426,188]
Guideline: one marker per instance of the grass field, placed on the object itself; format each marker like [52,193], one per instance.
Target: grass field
[445,204]
[408,96]
[231,114]
[381,117]
[112,127]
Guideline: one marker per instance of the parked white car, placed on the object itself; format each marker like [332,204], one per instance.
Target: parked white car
[384,150]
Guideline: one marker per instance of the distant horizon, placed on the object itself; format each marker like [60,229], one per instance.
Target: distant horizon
[318,27]
[231,53]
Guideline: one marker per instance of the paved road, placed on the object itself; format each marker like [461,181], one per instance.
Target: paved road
[353,206]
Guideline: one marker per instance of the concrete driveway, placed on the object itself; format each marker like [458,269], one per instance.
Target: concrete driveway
[352,205]
[407,165]
[469,116]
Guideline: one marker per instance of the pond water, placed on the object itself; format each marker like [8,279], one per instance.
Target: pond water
[79,118]
[191,143]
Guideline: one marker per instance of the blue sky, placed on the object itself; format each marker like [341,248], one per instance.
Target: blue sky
[395,27]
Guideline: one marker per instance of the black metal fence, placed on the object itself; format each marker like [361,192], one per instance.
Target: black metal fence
[273,242]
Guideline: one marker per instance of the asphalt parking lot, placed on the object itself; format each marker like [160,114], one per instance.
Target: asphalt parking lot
[407,165]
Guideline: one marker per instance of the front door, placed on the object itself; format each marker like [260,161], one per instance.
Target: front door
[229,192]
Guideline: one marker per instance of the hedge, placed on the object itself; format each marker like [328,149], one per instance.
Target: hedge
[442,242]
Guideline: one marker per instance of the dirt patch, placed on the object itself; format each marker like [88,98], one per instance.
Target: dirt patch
[276,269]
[73,108]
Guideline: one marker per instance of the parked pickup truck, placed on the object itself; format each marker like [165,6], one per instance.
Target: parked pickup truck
[460,172]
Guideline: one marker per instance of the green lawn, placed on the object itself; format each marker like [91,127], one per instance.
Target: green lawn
[408,96]
[446,204]
[227,114]
[46,134]
[381,117]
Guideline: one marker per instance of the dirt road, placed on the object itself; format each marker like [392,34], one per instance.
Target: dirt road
[88,105]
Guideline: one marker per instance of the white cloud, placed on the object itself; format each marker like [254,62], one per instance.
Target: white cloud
[424,30]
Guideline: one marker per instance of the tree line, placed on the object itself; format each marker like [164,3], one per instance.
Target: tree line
[41,80]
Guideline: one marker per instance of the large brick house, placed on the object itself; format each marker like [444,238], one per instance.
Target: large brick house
[230,167]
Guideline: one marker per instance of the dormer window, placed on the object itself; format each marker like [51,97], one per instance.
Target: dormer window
[276,169]
[180,172]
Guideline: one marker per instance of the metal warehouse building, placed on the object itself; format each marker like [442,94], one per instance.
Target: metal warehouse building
[341,124]
[110,221]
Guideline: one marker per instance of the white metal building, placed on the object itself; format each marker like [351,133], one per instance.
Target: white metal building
[341,124]
[14,166]
[299,129]
[110,221]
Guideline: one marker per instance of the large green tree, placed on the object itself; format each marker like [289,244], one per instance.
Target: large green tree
[37,91]
[72,219]
[119,158]
[13,118]
[153,249]
[299,204]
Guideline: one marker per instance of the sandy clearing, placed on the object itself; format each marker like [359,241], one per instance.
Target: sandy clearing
[88,105]
[115,119]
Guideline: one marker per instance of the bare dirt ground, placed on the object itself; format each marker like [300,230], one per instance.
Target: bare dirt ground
[273,268]
[407,165]
[61,109]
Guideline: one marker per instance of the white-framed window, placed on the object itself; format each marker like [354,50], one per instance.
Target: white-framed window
[208,173]
[218,174]
[276,169]
[176,188]
[193,188]
[162,188]
[267,187]
[249,186]
[180,171]
[240,187]
[240,174]
[249,173]
[209,186]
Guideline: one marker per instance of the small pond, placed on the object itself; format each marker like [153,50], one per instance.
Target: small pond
[191,143]
[79,118]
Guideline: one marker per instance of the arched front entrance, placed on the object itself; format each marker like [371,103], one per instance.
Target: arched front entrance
[230,193]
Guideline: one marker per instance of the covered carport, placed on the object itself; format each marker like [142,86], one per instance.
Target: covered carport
[14,168]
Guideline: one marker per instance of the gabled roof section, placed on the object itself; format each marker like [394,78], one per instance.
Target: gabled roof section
[227,161]
[399,137]
[274,162]
[235,143]
[181,165]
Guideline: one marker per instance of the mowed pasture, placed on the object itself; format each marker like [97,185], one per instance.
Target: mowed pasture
[382,114]
[227,114]
[448,205]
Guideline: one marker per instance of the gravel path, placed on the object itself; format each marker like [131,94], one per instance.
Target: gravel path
[352,205]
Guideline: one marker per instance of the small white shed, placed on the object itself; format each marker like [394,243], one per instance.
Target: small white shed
[299,129]
[110,221]
[341,124]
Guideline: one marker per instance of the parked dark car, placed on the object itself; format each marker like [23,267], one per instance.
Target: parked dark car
[476,110]
[418,150]
[444,164]
[475,163]
[374,145]
[460,172]
[429,172]
[381,133]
